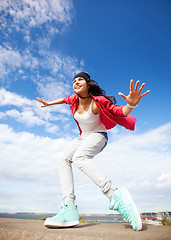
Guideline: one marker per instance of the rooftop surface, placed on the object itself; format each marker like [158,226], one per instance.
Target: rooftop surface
[19,229]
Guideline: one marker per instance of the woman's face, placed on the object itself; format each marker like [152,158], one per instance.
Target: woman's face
[80,86]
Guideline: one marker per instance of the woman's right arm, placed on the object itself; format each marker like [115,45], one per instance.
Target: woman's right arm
[45,104]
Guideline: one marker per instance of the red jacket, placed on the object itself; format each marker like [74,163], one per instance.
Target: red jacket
[110,114]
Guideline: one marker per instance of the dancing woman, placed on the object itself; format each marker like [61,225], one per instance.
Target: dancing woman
[94,113]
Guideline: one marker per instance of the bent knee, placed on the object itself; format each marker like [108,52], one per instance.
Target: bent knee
[80,161]
[63,160]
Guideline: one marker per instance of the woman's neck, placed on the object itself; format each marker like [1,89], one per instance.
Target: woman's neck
[85,101]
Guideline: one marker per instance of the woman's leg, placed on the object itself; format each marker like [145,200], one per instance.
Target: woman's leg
[90,146]
[68,215]
[65,172]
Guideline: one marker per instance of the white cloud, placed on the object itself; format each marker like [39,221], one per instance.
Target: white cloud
[52,89]
[37,61]
[141,163]
[60,65]
[51,128]
[29,168]
[23,15]
[28,155]
[29,112]
[9,98]
[31,13]
[164,181]
[9,58]
[12,60]
[26,117]
[60,68]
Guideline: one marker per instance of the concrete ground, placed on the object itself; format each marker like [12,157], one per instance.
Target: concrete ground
[19,229]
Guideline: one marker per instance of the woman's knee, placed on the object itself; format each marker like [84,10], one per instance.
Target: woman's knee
[79,161]
[63,160]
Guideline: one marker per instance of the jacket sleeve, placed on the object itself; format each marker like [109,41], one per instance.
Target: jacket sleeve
[69,99]
[116,110]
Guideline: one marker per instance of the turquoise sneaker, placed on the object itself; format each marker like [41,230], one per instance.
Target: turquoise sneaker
[123,203]
[67,217]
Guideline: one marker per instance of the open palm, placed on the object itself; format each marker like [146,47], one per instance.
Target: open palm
[45,104]
[135,95]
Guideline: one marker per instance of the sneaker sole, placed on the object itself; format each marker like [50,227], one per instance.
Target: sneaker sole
[61,224]
[136,210]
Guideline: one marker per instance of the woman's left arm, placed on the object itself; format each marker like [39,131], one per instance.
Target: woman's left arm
[133,98]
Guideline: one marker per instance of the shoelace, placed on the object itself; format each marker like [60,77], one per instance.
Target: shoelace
[64,209]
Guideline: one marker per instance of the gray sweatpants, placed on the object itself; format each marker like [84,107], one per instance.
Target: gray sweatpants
[81,153]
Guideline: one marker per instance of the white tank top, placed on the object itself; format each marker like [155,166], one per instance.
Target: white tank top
[89,122]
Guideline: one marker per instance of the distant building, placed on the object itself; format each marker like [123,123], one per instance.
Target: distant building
[158,215]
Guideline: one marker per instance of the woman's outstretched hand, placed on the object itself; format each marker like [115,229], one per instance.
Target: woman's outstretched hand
[45,104]
[135,95]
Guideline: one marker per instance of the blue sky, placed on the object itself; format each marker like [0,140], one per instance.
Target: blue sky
[43,44]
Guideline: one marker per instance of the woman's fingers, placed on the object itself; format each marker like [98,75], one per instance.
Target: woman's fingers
[42,101]
[141,88]
[137,85]
[122,95]
[39,99]
[131,86]
[145,93]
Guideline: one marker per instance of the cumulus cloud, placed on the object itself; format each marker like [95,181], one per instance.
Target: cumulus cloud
[28,171]
[60,67]
[142,151]
[51,89]
[28,155]
[9,58]
[9,98]
[29,113]
[26,117]
[141,163]
[34,60]
[28,168]
[56,83]
[63,69]
[12,60]
[25,14]
[164,181]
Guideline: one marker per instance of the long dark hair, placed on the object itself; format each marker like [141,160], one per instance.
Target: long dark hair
[95,90]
